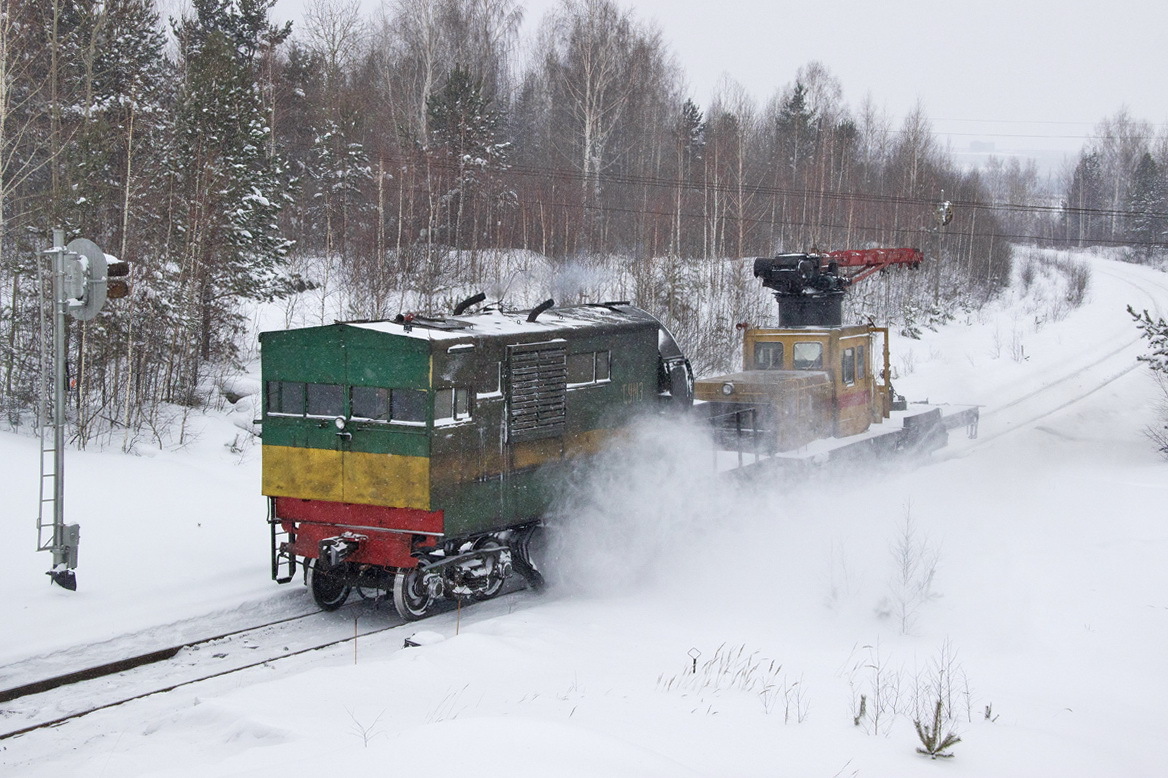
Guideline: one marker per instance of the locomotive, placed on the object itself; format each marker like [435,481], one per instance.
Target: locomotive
[415,457]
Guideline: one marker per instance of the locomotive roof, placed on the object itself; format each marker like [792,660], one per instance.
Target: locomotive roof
[494,322]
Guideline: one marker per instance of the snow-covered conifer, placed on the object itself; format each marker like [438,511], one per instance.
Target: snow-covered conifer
[228,187]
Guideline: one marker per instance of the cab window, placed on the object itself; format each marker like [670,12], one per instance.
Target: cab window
[451,405]
[286,398]
[808,356]
[768,356]
[325,399]
[581,368]
[407,406]
[603,366]
[848,366]
[589,367]
[369,402]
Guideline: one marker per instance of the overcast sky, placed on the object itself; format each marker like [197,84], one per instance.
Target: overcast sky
[1024,75]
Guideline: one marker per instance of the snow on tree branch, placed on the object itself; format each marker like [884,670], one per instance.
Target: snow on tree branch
[1156,333]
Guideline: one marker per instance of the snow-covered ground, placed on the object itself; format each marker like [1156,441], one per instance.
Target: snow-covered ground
[1020,577]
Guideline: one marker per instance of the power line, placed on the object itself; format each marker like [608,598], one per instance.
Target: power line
[844,197]
[1034,135]
[573,178]
[861,228]
[1034,121]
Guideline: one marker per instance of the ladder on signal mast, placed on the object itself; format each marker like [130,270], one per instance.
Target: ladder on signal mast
[46,414]
[52,533]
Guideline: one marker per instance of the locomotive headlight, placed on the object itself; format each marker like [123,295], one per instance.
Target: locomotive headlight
[340,422]
[728,388]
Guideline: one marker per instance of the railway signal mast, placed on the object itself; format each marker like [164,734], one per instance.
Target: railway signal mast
[83,277]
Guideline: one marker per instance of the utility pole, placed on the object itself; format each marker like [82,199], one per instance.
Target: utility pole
[943,215]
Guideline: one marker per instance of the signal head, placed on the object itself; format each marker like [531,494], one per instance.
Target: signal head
[117,283]
[90,277]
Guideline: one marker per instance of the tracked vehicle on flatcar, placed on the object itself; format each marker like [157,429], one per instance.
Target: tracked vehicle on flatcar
[416,456]
[811,379]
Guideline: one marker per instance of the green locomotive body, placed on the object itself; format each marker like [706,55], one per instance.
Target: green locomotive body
[416,455]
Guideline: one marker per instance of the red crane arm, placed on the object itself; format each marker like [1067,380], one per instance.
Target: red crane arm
[870,261]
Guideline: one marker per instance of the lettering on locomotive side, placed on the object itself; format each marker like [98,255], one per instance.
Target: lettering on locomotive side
[634,392]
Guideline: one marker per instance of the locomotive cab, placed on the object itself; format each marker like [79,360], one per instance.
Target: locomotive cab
[803,383]
[844,354]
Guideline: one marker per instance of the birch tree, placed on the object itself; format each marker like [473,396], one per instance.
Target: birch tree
[592,73]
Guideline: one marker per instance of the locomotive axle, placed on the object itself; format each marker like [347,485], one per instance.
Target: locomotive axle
[474,570]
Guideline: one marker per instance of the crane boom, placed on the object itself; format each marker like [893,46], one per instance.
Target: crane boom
[873,260]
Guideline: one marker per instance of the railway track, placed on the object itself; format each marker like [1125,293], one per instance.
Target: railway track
[57,699]
[95,671]
[54,699]
[1076,381]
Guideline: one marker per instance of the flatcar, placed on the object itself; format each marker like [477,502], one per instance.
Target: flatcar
[415,457]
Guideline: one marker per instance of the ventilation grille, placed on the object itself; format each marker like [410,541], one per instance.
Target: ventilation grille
[537,383]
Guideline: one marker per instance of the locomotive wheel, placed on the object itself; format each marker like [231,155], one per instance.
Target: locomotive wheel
[329,588]
[411,598]
[494,577]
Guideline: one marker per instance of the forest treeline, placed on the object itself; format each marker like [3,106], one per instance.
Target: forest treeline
[404,157]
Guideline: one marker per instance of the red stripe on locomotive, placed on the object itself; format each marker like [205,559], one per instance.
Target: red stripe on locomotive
[389,532]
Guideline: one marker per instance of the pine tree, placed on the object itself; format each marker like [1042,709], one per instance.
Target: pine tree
[88,82]
[1147,205]
[1084,198]
[227,188]
[120,75]
[23,159]
[334,179]
[691,129]
[464,135]
[1155,332]
[299,89]
[797,130]
[689,143]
